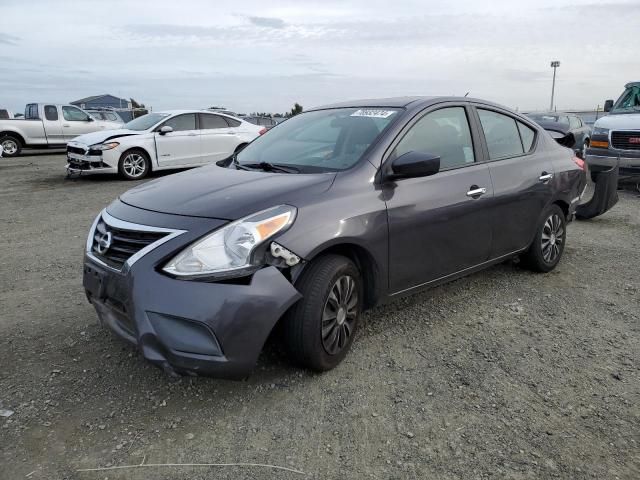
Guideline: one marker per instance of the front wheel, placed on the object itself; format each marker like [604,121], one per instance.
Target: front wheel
[548,245]
[134,165]
[11,146]
[320,328]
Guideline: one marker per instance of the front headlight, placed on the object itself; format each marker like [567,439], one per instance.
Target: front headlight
[600,131]
[230,250]
[104,146]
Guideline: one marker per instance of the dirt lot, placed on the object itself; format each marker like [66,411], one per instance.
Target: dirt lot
[504,374]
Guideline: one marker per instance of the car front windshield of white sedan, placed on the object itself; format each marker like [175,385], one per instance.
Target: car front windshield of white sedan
[145,122]
[319,141]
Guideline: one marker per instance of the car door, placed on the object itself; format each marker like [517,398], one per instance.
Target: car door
[219,139]
[76,122]
[180,147]
[521,175]
[439,225]
[53,125]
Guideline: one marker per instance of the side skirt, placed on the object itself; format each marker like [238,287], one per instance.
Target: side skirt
[455,275]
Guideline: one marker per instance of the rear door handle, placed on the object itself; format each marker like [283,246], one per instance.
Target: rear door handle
[476,191]
[65,124]
[545,177]
[191,134]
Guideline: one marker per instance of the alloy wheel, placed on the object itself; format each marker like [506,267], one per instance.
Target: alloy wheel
[339,314]
[9,146]
[552,238]
[134,165]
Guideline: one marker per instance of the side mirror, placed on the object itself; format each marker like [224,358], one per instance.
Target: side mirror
[166,129]
[415,164]
[89,118]
[608,105]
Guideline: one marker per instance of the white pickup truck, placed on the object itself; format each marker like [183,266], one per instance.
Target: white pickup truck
[47,126]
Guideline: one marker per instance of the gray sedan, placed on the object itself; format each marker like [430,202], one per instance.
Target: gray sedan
[331,212]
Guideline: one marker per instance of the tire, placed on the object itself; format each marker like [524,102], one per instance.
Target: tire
[547,247]
[134,164]
[322,285]
[11,145]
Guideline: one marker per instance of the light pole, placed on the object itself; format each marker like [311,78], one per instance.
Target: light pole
[554,64]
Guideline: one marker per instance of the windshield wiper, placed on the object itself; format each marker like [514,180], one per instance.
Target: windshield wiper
[238,165]
[270,167]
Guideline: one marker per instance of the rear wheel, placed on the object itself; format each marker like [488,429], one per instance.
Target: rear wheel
[11,145]
[320,328]
[548,245]
[134,164]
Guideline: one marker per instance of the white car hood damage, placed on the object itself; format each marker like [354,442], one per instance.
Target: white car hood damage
[626,121]
[103,135]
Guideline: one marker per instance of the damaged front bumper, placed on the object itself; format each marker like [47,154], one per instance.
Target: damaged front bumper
[189,327]
[81,160]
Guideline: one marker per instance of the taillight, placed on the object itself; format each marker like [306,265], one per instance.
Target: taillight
[578,161]
[262,131]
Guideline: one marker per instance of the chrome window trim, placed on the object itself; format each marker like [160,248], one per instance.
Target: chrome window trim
[135,227]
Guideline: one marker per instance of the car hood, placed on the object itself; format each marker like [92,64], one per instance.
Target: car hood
[104,135]
[225,193]
[624,121]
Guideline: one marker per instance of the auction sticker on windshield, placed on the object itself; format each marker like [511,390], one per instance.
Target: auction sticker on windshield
[372,113]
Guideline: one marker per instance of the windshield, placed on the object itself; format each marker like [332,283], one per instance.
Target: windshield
[629,101]
[320,141]
[145,122]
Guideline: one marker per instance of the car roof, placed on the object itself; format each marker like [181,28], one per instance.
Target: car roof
[552,114]
[179,112]
[404,102]
[632,84]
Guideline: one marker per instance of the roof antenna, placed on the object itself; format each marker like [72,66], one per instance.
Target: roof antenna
[466,94]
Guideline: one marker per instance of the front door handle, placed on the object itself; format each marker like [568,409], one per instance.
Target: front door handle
[545,177]
[191,134]
[476,191]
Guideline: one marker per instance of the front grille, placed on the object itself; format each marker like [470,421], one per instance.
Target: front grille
[114,246]
[625,140]
[82,151]
[78,150]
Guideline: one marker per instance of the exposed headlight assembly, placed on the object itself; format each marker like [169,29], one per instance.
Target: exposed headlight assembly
[104,146]
[230,250]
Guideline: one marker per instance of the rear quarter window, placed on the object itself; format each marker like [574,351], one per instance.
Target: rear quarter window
[527,135]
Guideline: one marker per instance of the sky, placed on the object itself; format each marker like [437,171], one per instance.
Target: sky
[265,55]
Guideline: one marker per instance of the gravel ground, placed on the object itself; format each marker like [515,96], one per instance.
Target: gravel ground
[503,374]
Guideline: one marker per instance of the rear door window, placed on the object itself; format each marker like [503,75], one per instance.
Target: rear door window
[209,121]
[501,133]
[232,122]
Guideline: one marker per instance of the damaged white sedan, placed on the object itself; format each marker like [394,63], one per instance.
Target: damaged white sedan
[159,141]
